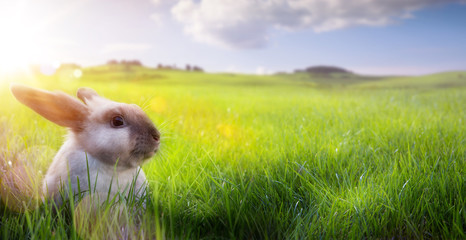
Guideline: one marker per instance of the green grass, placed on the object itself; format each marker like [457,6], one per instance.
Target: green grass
[270,157]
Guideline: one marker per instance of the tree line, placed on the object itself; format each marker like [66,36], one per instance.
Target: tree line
[130,63]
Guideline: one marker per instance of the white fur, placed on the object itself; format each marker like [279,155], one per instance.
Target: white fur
[95,153]
[70,163]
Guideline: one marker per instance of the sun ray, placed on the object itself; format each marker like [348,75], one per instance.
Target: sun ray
[25,39]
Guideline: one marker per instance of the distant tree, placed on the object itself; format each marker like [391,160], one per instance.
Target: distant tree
[112,62]
[188,67]
[323,70]
[164,67]
[197,69]
[134,63]
[326,70]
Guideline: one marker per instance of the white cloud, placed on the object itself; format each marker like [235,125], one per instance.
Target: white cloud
[162,11]
[124,47]
[246,23]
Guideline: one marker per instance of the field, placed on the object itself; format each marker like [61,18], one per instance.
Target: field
[266,157]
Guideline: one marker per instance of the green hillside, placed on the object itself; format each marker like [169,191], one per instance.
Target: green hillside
[440,80]
[286,156]
[120,73]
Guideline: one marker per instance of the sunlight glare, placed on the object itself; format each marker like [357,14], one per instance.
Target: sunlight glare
[17,45]
[78,73]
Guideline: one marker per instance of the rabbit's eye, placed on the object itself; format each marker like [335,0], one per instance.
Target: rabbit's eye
[117,121]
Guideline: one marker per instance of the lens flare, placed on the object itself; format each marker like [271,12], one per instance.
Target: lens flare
[78,73]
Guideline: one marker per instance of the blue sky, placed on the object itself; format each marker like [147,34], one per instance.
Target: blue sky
[251,36]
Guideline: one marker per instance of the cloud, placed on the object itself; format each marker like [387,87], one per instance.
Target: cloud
[124,47]
[162,11]
[247,23]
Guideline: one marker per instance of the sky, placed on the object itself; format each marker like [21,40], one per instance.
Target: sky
[377,37]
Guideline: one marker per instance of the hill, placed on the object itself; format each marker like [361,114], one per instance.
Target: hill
[334,78]
[338,77]
[438,80]
[324,70]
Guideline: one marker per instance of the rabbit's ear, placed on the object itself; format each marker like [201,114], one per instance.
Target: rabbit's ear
[57,107]
[86,94]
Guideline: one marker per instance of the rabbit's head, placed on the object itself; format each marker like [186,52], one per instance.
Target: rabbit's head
[111,132]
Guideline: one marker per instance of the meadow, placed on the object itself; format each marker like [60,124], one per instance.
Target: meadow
[287,156]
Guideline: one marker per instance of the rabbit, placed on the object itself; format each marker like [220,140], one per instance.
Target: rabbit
[107,140]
